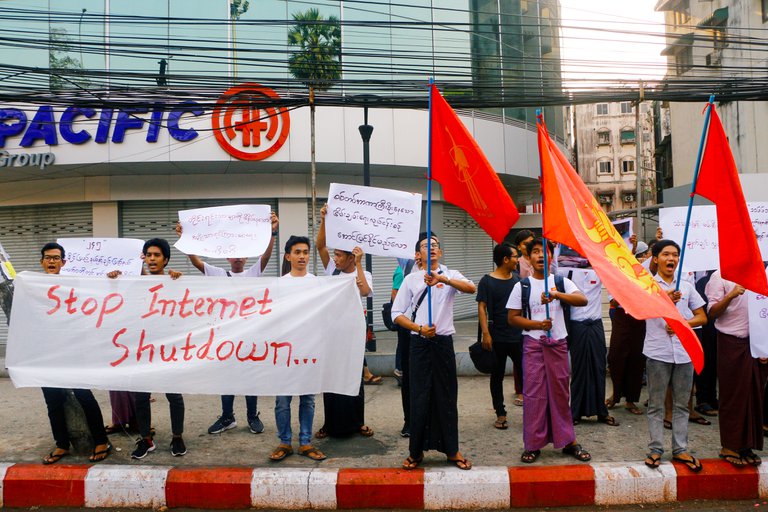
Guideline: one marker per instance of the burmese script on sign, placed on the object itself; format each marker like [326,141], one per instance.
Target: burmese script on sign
[99,256]
[379,220]
[207,335]
[237,231]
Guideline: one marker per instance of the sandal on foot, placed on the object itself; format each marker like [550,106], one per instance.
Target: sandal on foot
[633,409]
[751,458]
[734,460]
[366,431]
[530,456]
[373,380]
[100,455]
[692,464]
[114,429]
[501,423]
[653,460]
[412,463]
[610,403]
[608,420]
[699,420]
[518,402]
[321,434]
[281,452]
[577,452]
[53,458]
[706,410]
[311,452]
[667,424]
[461,463]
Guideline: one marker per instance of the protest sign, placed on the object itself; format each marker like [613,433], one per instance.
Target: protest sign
[209,335]
[758,324]
[379,220]
[701,252]
[237,231]
[567,257]
[99,256]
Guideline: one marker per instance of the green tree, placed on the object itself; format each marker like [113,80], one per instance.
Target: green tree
[317,63]
[61,64]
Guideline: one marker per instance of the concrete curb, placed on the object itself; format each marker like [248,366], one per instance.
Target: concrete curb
[152,487]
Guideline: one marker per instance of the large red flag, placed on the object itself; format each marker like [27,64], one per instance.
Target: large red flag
[468,180]
[740,259]
[573,217]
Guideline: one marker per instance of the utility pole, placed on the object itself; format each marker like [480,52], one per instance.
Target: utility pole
[638,165]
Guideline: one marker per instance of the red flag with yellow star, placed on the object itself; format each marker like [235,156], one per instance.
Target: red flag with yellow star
[468,180]
[573,217]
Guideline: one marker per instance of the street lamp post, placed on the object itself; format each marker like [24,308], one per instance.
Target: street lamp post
[366,131]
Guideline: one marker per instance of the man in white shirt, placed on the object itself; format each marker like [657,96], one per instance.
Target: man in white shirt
[297,254]
[668,364]
[546,413]
[237,269]
[434,386]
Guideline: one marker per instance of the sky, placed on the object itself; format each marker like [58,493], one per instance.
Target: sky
[610,39]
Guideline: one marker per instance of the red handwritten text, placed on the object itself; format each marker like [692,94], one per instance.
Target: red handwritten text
[106,306]
[221,307]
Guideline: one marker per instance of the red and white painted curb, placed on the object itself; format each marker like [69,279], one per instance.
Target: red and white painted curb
[35,485]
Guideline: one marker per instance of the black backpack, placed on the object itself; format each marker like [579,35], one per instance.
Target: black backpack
[525,297]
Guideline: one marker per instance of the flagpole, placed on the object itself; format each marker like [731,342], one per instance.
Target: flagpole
[429,203]
[704,131]
[544,245]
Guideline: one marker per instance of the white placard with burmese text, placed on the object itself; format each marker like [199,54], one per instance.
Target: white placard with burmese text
[758,324]
[99,256]
[236,231]
[380,221]
[701,252]
[207,335]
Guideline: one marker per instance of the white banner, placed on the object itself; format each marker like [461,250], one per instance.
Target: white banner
[237,231]
[209,335]
[758,324]
[701,252]
[99,256]
[379,220]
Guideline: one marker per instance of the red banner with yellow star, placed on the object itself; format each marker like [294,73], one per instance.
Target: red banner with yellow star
[467,178]
[573,217]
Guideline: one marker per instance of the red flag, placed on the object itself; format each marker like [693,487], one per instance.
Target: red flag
[573,217]
[740,259]
[468,180]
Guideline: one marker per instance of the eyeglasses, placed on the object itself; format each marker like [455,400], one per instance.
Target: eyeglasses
[433,244]
[51,258]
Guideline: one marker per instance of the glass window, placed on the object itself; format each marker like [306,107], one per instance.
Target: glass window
[626,107]
[603,137]
[604,167]
[627,136]
[602,109]
[764,5]
[627,166]
[684,60]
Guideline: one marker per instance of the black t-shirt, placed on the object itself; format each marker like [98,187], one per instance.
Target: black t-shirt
[495,293]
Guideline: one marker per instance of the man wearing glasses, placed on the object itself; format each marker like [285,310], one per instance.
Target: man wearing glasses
[434,415]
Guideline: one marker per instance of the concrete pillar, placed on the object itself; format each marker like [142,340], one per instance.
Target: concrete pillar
[106,219]
[294,220]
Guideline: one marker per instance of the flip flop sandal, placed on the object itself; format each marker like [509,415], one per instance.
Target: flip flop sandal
[699,421]
[577,452]
[52,458]
[692,464]
[281,452]
[518,402]
[751,458]
[114,429]
[411,463]
[461,463]
[634,410]
[366,431]
[530,456]
[311,452]
[608,420]
[321,434]
[100,455]
[653,460]
[373,380]
[501,424]
[706,410]
[667,424]
[734,460]
[610,404]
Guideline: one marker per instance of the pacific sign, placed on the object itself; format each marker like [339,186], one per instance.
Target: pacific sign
[245,132]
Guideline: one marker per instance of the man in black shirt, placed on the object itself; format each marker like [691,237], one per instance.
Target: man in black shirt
[505,340]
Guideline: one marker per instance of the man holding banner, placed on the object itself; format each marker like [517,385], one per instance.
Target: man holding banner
[434,386]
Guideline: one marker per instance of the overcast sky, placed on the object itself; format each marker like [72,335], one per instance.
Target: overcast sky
[612,38]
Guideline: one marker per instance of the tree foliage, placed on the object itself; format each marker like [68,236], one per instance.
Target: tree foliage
[317,59]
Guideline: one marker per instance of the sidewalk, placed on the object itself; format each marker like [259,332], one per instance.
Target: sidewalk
[232,469]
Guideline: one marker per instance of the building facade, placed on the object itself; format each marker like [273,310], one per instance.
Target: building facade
[118,136]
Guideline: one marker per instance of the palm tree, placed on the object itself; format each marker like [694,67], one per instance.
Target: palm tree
[317,63]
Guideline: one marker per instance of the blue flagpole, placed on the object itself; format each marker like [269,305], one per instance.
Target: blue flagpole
[429,204]
[704,131]
[544,245]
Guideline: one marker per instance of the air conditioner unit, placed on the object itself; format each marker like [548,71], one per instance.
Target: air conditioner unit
[628,198]
[606,199]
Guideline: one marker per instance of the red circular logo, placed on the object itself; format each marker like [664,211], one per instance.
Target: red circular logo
[246,126]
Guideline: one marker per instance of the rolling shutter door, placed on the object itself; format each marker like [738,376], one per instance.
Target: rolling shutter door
[157,219]
[468,249]
[25,229]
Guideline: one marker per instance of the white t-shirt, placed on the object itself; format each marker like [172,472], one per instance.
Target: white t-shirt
[538,310]
[252,271]
[589,284]
[368,277]
[443,296]
[289,276]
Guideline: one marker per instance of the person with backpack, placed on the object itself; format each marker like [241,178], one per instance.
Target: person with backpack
[539,313]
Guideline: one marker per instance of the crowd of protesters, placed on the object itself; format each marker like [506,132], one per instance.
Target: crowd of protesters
[545,318]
